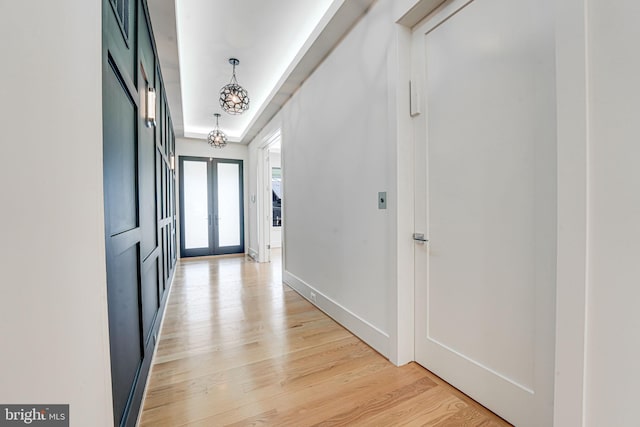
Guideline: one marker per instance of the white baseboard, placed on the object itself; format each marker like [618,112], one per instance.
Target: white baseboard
[355,324]
[253,254]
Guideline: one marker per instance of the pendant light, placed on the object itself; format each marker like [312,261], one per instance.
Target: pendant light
[234,99]
[216,138]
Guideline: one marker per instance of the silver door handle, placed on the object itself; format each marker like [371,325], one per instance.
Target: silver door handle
[419,237]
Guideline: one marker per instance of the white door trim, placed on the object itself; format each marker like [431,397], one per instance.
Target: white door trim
[399,64]
[263,196]
[401,314]
[572,96]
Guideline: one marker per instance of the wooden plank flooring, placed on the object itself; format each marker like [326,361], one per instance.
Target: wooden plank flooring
[238,348]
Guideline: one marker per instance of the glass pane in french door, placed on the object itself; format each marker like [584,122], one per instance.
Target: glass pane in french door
[228,204]
[196,205]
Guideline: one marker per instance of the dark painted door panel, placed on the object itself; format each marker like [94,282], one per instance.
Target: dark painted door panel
[137,185]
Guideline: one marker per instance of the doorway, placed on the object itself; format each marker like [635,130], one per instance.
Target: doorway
[270,184]
[485,203]
[211,206]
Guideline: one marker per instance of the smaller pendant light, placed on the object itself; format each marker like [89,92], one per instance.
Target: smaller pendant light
[216,138]
[234,99]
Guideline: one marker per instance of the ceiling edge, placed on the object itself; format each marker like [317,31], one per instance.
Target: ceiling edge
[344,19]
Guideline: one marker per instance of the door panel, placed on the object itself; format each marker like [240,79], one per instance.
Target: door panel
[150,296]
[147,143]
[119,17]
[195,215]
[124,325]
[121,221]
[148,218]
[228,208]
[120,153]
[485,198]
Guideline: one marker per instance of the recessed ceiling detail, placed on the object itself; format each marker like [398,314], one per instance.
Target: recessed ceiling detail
[271,35]
[281,42]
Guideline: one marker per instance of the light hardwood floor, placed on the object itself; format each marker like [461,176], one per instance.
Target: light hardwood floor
[239,348]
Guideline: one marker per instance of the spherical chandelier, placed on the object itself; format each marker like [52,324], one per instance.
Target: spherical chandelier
[234,99]
[217,138]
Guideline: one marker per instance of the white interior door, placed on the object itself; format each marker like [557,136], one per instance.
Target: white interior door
[486,201]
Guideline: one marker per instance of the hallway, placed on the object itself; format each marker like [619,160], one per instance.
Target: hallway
[239,348]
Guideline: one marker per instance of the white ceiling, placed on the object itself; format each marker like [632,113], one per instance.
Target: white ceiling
[278,43]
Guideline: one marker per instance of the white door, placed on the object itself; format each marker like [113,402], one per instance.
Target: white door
[486,201]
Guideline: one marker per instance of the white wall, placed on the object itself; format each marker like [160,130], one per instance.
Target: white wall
[274,158]
[53,303]
[613,316]
[598,198]
[201,148]
[598,205]
[337,243]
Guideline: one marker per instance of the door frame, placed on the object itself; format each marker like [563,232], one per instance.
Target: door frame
[212,207]
[402,109]
[572,34]
[264,211]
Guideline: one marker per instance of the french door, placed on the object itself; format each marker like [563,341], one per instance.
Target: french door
[211,206]
[486,203]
